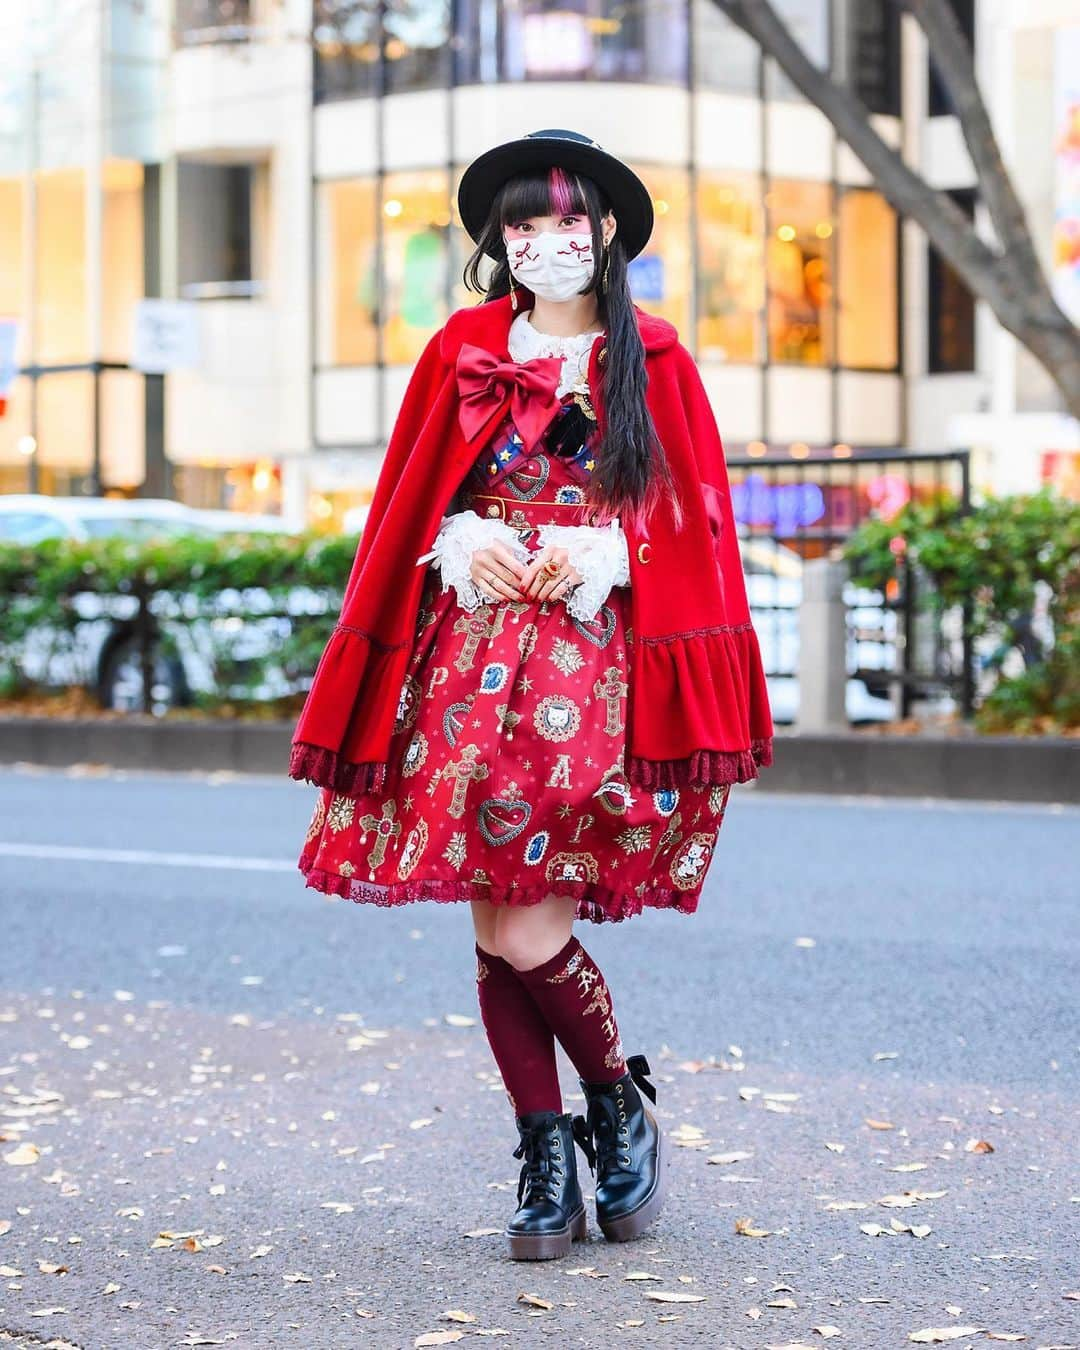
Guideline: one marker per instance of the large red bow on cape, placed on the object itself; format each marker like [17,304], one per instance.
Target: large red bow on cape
[485,383]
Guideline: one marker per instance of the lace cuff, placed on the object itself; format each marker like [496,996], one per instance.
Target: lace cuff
[459,537]
[599,556]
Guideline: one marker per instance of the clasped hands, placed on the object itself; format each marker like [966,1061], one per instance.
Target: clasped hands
[500,576]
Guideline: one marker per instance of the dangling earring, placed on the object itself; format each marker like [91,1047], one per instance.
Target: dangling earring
[604,274]
[513,294]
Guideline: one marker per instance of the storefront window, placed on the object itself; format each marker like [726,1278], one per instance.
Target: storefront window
[731,267]
[866,272]
[799,271]
[417,45]
[347,274]
[121,255]
[660,274]
[12,253]
[576,40]
[725,58]
[62,330]
[345,34]
[808,23]
[416,259]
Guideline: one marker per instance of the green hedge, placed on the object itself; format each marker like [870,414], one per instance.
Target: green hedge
[992,558]
[172,580]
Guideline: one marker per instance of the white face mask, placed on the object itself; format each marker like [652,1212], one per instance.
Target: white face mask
[553,266]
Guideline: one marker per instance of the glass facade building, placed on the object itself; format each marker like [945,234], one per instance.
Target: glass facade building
[288,168]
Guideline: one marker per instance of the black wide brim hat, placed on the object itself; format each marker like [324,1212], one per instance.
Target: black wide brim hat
[628,195]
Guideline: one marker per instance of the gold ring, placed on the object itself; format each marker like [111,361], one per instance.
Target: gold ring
[552,568]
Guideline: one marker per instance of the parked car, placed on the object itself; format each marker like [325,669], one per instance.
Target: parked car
[103,653]
[774,587]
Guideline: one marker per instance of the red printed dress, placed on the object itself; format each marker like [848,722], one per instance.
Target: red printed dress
[506,773]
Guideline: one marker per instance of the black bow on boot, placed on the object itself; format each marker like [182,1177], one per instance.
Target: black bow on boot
[551,1211]
[622,1140]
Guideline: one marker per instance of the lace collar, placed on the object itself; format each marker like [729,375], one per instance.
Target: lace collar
[526,342]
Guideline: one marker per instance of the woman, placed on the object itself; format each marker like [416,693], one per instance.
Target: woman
[545,680]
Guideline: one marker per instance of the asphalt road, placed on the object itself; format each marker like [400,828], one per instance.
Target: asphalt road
[184,1054]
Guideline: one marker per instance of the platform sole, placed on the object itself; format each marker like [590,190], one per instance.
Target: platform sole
[630,1225]
[548,1246]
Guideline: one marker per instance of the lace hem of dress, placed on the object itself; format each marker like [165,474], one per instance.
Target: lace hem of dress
[597,903]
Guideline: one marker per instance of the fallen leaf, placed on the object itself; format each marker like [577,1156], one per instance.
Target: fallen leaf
[23,1156]
[835,1148]
[459,1020]
[781,1303]
[978,1146]
[935,1335]
[880,1124]
[1004,1336]
[260,1251]
[724,1158]
[439,1338]
[456,1315]
[673,1296]
[51,1268]
[827,1333]
[642,1275]
[10,1273]
[909,1167]
[46,1312]
[745,1228]
[296,1277]
[534,1301]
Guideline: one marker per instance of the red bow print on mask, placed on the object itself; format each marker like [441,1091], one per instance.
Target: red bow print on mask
[485,383]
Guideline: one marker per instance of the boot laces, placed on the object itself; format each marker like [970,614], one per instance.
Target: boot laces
[537,1180]
[610,1136]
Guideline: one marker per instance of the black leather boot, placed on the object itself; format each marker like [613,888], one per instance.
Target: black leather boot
[624,1144]
[551,1211]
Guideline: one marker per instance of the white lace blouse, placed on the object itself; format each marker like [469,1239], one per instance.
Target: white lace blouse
[597,553]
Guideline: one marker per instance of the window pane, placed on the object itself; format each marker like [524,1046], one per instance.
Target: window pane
[950,307]
[212,21]
[799,266]
[637,40]
[216,254]
[808,23]
[121,255]
[62,332]
[725,57]
[12,254]
[347,274]
[731,267]
[346,38]
[416,229]
[417,38]
[867,334]
[875,54]
[660,274]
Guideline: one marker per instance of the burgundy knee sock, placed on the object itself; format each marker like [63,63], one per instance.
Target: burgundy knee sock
[572,994]
[519,1036]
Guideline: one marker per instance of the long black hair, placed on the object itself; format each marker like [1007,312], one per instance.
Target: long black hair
[632,472]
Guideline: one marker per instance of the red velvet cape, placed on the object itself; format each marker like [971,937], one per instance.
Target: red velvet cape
[698,710]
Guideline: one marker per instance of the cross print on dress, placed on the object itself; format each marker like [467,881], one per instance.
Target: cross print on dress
[485,623]
[611,689]
[463,772]
[386,828]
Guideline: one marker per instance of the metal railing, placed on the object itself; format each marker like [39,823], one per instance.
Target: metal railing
[792,509]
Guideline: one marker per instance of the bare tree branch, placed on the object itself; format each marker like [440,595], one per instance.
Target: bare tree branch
[952,58]
[1007,276]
